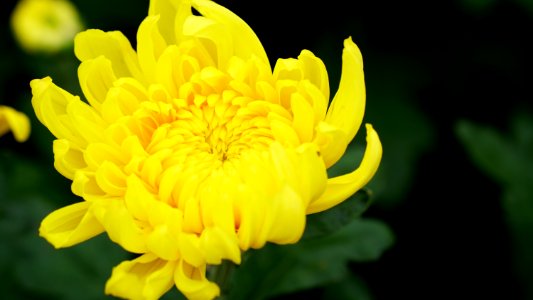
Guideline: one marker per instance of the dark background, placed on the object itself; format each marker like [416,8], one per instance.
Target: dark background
[428,65]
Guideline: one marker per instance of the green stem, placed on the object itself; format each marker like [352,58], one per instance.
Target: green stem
[222,277]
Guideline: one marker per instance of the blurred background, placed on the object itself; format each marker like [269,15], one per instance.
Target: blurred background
[449,90]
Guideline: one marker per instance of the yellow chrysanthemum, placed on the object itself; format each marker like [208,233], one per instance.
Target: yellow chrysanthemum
[45,25]
[191,149]
[14,121]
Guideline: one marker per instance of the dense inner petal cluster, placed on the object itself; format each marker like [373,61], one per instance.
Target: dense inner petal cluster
[191,149]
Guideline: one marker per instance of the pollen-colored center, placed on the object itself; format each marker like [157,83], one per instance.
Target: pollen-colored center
[212,127]
[199,133]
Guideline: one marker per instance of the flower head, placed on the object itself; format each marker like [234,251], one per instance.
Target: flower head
[14,121]
[45,25]
[191,149]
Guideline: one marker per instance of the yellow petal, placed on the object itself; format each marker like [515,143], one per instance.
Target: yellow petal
[246,43]
[348,106]
[315,71]
[85,121]
[340,188]
[311,173]
[45,26]
[67,160]
[213,36]
[285,219]
[120,225]
[220,245]
[15,121]
[163,242]
[316,98]
[112,45]
[190,250]
[146,277]
[172,14]
[84,185]
[284,133]
[331,141]
[111,179]
[150,45]
[96,78]
[303,122]
[50,104]
[192,283]
[70,225]
[123,99]
[288,68]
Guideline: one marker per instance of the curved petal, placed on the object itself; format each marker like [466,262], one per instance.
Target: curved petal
[214,37]
[348,106]
[340,188]
[96,77]
[192,283]
[331,141]
[150,46]
[172,14]
[146,277]
[114,46]
[121,227]
[50,106]
[17,122]
[246,43]
[219,245]
[315,71]
[70,225]
[285,218]
[67,160]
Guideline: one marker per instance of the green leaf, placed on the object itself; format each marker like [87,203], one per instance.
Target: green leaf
[79,272]
[494,153]
[478,6]
[331,220]
[508,159]
[350,288]
[279,269]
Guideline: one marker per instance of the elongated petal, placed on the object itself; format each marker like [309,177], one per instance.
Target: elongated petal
[246,43]
[303,121]
[50,104]
[348,106]
[172,14]
[315,71]
[340,188]
[146,277]
[214,36]
[150,45]
[17,122]
[70,225]
[112,45]
[285,220]
[96,78]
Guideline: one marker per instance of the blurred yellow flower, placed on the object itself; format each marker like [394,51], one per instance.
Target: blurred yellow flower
[14,121]
[192,149]
[45,25]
